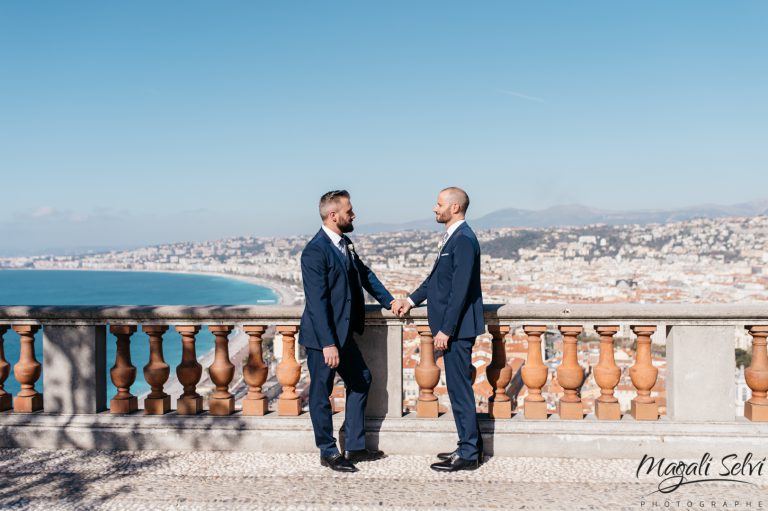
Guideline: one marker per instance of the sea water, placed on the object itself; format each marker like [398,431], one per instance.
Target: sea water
[64,287]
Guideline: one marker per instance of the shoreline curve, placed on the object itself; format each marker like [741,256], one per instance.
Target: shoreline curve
[285,295]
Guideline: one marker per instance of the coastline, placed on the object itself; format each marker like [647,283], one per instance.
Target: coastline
[238,342]
[285,295]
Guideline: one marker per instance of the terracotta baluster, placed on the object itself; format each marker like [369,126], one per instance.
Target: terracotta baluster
[221,402]
[156,372]
[534,374]
[643,375]
[6,401]
[427,375]
[288,373]
[123,373]
[255,372]
[756,375]
[607,375]
[27,371]
[499,375]
[570,376]
[189,372]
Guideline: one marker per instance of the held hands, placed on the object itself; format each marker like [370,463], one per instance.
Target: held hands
[331,354]
[401,307]
[441,341]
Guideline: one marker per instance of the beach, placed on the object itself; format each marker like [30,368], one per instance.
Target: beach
[286,295]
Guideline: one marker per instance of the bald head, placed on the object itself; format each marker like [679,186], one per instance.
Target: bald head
[455,195]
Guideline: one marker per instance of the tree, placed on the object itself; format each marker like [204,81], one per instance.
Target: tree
[743,358]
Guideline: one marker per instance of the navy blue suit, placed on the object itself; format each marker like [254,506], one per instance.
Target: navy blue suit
[455,307]
[334,309]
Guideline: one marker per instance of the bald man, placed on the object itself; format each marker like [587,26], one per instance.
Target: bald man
[455,312]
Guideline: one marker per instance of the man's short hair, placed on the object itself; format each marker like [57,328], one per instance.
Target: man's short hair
[457,196]
[330,199]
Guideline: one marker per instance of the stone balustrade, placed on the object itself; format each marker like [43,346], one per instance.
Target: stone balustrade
[700,379]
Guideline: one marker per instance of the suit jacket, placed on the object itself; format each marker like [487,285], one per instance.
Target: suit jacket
[328,293]
[452,289]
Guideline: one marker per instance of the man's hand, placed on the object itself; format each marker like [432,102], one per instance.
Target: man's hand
[401,307]
[331,354]
[441,341]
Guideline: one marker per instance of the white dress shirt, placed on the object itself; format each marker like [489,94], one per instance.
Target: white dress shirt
[451,230]
[336,239]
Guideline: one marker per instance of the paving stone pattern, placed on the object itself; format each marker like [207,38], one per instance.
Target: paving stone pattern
[205,480]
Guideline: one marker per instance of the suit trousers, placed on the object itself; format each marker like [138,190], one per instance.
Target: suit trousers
[458,379]
[357,380]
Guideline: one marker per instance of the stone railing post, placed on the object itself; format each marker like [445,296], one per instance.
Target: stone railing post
[221,402]
[288,373]
[189,372]
[644,374]
[534,374]
[607,375]
[123,373]
[255,372]
[570,376]
[75,368]
[499,374]
[6,401]
[756,409]
[382,348]
[700,368]
[427,374]
[27,371]
[156,372]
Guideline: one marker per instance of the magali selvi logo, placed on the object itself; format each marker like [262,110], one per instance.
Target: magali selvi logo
[669,475]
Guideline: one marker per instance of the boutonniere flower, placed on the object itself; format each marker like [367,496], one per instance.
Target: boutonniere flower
[440,245]
[351,247]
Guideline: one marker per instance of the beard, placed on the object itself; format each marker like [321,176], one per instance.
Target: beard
[442,218]
[346,228]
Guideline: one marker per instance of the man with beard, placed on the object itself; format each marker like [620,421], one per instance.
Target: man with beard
[334,278]
[455,314]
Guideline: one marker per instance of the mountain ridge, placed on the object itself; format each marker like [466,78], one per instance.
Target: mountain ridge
[580,215]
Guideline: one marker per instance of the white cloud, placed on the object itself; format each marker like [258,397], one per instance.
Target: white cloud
[50,214]
[524,96]
[51,230]
[43,211]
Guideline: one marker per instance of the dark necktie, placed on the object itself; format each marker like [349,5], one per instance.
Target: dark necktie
[358,301]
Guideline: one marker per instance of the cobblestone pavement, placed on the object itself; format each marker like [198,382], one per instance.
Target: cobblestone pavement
[148,480]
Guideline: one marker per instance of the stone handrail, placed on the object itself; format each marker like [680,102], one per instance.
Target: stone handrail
[699,357]
[707,313]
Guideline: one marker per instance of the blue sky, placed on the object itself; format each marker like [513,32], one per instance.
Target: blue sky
[125,123]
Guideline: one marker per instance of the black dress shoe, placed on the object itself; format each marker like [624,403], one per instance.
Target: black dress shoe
[363,455]
[447,455]
[338,463]
[454,463]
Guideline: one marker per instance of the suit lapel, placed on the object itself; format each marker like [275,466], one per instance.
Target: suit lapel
[447,245]
[333,248]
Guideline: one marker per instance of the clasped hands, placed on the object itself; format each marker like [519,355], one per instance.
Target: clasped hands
[400,308]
